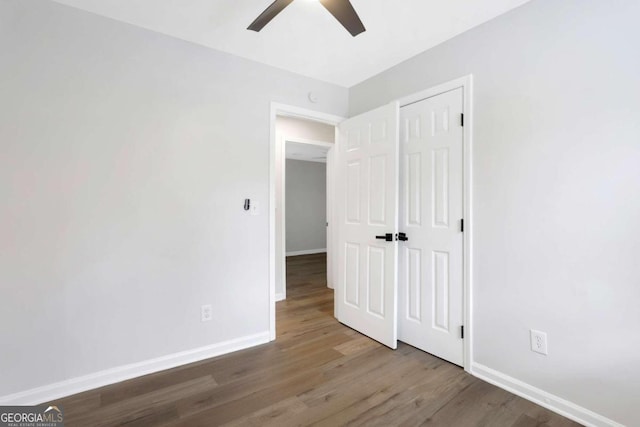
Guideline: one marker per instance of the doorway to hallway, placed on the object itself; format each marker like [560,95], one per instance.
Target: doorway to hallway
[304,196]
[307,282]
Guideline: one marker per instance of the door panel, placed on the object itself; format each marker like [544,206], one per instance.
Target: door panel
[375,281]
[353,192]
[367,206]
[441,290]
[377,179]
[414,189]
[413,276]
[440,187]
[352,275]
[431,207]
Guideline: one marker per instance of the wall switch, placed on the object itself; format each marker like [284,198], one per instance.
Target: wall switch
[206,313]
[539,342]
[255,208]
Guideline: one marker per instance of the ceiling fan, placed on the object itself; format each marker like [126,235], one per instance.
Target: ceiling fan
[342,10]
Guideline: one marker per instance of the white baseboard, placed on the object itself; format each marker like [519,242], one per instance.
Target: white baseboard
[307,252]
[280,297]
[554,403]
[73,386]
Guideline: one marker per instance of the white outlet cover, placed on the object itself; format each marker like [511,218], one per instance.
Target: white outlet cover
[206,313]
[539,342]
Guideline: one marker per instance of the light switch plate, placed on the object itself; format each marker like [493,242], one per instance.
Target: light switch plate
[255,208]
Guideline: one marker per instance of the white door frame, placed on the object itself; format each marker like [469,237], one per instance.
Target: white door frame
[331,226]
[281,255]
[466,83]
[277,109]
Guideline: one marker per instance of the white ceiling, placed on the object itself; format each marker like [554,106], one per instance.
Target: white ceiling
[305,38]
[307,152]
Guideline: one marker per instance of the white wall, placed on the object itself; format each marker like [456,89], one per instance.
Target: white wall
[125,158]
[306,206]
[556,181]
[305,129]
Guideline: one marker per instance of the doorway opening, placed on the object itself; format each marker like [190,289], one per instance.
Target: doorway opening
[303,194]
[302,144]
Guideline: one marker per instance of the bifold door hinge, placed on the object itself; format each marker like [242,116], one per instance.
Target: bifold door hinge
[462,119]
[462,331]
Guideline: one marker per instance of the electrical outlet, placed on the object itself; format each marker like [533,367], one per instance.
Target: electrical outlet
[539,342]
[206,313]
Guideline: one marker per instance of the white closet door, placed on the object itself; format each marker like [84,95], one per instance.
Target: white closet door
[367,206]
[431,212]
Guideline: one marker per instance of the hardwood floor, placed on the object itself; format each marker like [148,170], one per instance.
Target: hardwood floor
[318,372]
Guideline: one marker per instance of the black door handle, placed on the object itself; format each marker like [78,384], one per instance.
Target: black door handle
[388,237]
[402,237]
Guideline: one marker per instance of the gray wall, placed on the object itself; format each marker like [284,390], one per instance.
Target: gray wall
[125,158]
[556,181]
[306,205]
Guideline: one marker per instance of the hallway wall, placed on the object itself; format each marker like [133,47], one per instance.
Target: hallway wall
[306,207]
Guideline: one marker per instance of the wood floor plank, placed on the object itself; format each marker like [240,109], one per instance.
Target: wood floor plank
[275,415]
[357,345]
[244,391]
[131,389]
[377,393]
[317,372]
[255,402]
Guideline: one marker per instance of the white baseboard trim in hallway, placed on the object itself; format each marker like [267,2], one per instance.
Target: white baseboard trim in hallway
[307,252]
[99,379]
[542,398]
[280,297]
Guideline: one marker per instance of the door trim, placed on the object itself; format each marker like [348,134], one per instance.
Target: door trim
[466,83]
[277,109]
[331,226]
